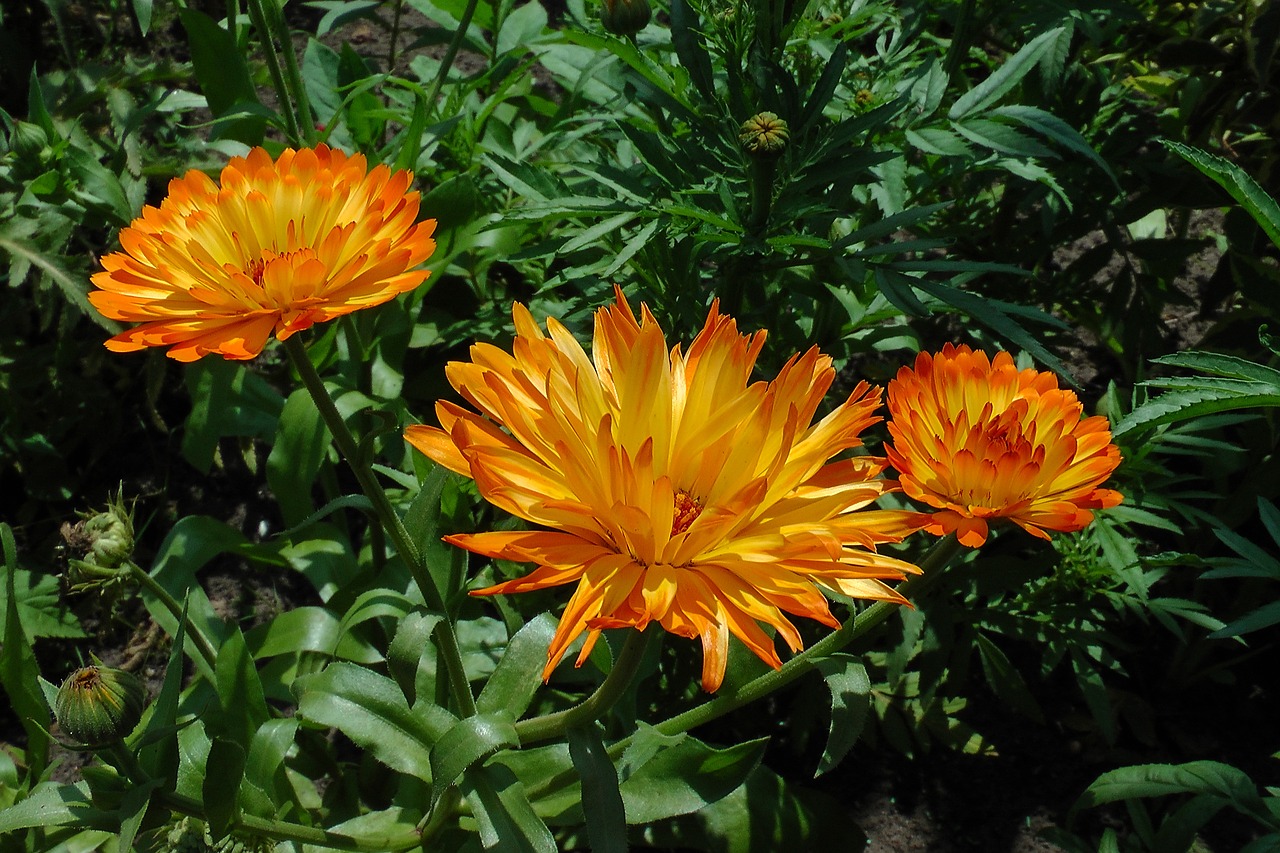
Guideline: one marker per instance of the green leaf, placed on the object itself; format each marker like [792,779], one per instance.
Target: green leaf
[1055,129]
[935,140]
[264,768]
[518,675]
[601,797]
[41,610]
[506,821]
[1242,187]
[1196,777]
[850,688]
[54,804]
[411,656]
[159,753]
[224,78]
[1000,138]
[1006,77]
[100,188]
[19,673]
[309,629]
[75,287]
[133,809]
[227,399]
[371,710]
[301,443]
[1226,366]
[1214,396]
[686,33]
[1005,681]
[1264,617]
[244,705]
[468,742]
[684,777]
[223,773]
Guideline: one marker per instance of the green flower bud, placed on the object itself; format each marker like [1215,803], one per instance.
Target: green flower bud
[764,135]
[29,140]
[625,17]
[98,705]
[103,539]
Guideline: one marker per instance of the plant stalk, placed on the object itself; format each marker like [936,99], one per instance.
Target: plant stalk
[594,706]
[258,15]
[452,52]
[197,636]
[389,519]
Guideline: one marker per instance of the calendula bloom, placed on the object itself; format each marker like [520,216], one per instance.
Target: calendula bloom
[980,440]
[671,489]
[274,246]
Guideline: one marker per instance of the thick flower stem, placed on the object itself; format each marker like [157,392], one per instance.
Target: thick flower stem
[390,521]
[197,636]
[594,706]
[932,565]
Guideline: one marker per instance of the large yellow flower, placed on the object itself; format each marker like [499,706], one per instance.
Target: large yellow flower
[980,440]
[674,491]
[274,247]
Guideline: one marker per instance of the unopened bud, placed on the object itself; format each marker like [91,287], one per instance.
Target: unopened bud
[625,17]
[103,539]
[98,705]
[764,135]
[29,140]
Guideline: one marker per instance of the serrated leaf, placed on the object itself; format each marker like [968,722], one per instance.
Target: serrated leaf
[1005,681]
[1159,780]
[1242,187]
[1181,405]
[1006,77]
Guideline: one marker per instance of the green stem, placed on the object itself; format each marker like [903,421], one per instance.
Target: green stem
[171,604]
[267,36]
[280,830]
[762,173]
[454,43]
[389,519]
[594,706]
[932,570]
[293,77]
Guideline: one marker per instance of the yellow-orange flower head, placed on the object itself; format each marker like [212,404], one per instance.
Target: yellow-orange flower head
[671,488]
[978,440]
[274,246]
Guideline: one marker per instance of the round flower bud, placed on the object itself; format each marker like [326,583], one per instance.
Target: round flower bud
[110,536]
[98,705]
[625,17]
[764,135]
[29,140]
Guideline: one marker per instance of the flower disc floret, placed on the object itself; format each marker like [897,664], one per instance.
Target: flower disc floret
[273,247]
[979,440]
[666,485]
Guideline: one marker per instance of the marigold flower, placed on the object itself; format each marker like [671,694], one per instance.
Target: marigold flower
[978,440]
[673,490]
[272,247]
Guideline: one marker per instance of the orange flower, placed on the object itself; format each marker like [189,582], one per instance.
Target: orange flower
[981,440]
[274,247]
[673,490]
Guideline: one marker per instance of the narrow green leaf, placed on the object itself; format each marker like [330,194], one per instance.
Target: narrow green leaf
[159,754]
[506,821]
[686,777]
[601,798]
[244,705]
[1183,405]
[371,710]
[518,675]
[133,809]
[1049,125]
[470,741]
[1005,680]
[1242,187]
[299,449]
[1001,138]
[1159,780]
[222,73]
[824,89]
[935,140]
[53,804]
[850,688]
[264,767]
[1226,366]
[19,673]
[411,656]
[223,773]
[1006,77]
[686,38]
[1264,617]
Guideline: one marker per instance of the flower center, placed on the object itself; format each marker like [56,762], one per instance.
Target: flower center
[687,508]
